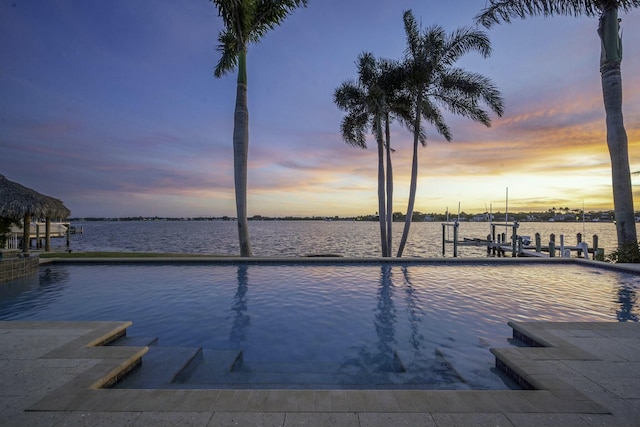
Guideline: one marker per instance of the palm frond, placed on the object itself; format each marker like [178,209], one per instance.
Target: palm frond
[237,16]
[349,96]
[462,106]
[473,86]
[412,31]
[229,50]
[433,115]
[353,129]
[368,69]
[245,22]
[505,10]
[464,40]
[270,13]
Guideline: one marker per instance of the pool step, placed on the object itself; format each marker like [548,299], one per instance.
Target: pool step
[189,367]
[305,380]
[125,341]
[228,369]
[216,363]
[159,367]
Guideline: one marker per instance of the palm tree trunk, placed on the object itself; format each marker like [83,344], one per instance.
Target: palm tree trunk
[414,179]
[619,153]
[387,131]
[381,190]
[240,155]
[617,136]
[26,233]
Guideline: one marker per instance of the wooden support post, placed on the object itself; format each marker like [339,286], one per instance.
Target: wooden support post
[38,240]
[552,248]
[493,239]
[520,246]
[455,240]
[47,235]
[538,243]
[444,242]
[26,232]
[578,241]
[598,253]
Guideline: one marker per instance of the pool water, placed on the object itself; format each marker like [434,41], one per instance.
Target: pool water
[390,326]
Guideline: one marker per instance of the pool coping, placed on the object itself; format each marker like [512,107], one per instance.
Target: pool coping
[330,260]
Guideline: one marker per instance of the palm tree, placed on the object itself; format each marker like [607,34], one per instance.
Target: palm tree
[375,99]
[245,22]
[365,104]
[434,82]
[399,107]
[610,59]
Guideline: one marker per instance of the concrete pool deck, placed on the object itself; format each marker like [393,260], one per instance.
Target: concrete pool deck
[588,374]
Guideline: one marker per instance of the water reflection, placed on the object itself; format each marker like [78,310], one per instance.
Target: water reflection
[241,320]
[382,357]
[627,301]
[385,320]
[52,276]
[413,310]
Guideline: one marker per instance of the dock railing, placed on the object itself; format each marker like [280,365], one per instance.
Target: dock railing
[10,241]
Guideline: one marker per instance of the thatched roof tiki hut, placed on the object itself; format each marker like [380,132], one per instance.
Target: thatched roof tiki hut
[19,202]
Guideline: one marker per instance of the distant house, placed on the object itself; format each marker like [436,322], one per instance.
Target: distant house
[562,217]
[605,216]
[481,217]
[429,218]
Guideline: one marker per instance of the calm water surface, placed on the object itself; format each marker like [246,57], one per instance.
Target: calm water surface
[297,238]
[440,319]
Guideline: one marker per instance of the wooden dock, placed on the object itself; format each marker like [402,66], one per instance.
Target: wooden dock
[37,234]
[522,246]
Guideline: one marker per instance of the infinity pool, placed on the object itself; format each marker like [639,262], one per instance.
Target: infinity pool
[426,326]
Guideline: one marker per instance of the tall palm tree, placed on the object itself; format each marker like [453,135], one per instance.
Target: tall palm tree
[399,108]
[434,82]
[610,59]
[364,102]
[245,22]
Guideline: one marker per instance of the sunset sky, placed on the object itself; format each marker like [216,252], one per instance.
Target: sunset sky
[113,108]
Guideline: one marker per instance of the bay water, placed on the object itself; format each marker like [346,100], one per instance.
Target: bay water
[302,238]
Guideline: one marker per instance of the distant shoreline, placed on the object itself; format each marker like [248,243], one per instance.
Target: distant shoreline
[593,216]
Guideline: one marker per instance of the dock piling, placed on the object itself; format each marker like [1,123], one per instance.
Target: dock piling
[455,237]
[578,241]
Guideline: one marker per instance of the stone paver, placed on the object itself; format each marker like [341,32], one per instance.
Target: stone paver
[51,374]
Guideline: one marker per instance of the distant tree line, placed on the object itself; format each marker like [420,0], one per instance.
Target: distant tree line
[553,214]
